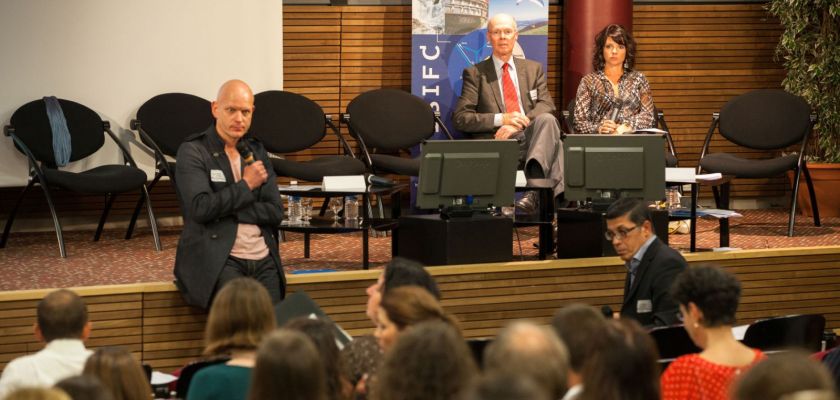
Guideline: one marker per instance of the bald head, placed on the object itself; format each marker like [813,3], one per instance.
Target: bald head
[62,314]
[233,109]
[502,35]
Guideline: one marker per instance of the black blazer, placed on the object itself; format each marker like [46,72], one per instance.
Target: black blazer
[659,266]
[213,208]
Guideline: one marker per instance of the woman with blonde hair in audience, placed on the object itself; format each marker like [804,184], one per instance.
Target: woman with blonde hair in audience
[120,373]
[241,315]
[626,366]
[288,368]
[429,361]
[403,307]
[322,336]
[37,393]
[708,297]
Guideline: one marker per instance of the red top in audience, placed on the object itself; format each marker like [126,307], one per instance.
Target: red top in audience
[692,377]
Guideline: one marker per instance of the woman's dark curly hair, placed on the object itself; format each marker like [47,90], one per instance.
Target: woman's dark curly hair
[620,36]
[715,292]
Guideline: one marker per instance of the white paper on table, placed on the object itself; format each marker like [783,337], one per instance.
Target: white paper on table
[651,130]
[160,378]
[709,177]
[680,175]
[520,178]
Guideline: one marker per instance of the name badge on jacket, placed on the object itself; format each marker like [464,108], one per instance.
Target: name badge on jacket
[644,306]
[533,94]
[216,175]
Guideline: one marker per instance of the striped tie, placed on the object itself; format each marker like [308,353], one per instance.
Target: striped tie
[511,99]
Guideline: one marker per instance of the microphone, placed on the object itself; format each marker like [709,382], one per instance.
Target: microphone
[245,152]
[607,312]
[379,181]
[614,113]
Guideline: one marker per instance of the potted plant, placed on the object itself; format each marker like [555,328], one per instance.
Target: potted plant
[810,49]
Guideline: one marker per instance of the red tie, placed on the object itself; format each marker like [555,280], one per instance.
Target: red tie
[511,99]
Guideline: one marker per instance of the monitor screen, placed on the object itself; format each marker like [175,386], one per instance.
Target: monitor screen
[475,173]
[603,168]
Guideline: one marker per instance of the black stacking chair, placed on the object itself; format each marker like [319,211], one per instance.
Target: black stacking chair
[189,371]
[32,135]
[804,332]
[164,121]
[389,121]
[287,122]
[766,119]
[672,342]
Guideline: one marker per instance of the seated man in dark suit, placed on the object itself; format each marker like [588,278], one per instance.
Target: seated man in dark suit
[651,264]
[505,97]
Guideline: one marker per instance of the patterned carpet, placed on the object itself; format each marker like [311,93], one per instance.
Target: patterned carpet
[31,261]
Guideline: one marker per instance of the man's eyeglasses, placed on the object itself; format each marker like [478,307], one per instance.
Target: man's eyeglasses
[620,233]
[499,33]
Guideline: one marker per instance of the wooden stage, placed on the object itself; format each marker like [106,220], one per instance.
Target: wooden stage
[154,323]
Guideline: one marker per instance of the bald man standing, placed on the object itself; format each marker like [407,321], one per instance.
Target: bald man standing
[231,205]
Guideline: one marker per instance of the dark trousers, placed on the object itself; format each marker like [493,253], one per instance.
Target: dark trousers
[265,271]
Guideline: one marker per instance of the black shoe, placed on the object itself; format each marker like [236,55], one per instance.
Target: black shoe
[528,203]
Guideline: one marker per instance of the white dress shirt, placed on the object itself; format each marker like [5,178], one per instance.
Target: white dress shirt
[61,358]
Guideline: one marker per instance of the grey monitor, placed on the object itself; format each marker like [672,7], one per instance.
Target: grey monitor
[473,173]
[603,168]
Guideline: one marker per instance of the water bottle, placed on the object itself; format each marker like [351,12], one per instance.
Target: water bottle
[351,208]
[294,209]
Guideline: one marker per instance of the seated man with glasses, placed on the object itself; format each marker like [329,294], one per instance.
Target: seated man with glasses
[652,266]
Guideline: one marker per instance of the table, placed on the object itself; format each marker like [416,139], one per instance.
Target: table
[322,224]
[545,217]
[721,201]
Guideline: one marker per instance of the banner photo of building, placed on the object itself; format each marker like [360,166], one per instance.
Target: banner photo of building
[451,35]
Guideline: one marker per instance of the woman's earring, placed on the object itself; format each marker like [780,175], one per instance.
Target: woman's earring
[696,325]
[626,65]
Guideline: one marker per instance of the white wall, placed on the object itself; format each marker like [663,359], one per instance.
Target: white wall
[112,55]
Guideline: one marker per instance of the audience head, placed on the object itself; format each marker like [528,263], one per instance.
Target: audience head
[625,368]
[495,385]
[62,314]
[34,393]
[786,376]
[399,272]
[502,34]
[120,373]
[241,315]
[403,307]
[288,367]
[708,297]
[430,360]
[524,348]
[84,387]
[320,332]
[629,226]
[579,326]
[233,110]
[618,36]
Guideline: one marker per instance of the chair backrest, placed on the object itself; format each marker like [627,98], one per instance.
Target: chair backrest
[391,119]
[32,127]
[765,119]
[189,370]
[170,117]
[286,122]
[792,331]
[673,341]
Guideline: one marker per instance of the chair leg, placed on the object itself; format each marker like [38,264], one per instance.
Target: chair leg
[324,206]
[152,220]
[138,206]
[793,194]
[814,207]
[380,207]
[56,223]
[109,202]
[12,215]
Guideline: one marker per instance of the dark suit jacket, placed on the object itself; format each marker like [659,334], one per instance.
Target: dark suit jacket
[212,211]
[659,266]
[481,97]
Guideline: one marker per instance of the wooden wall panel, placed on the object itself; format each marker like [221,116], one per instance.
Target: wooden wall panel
[154,323]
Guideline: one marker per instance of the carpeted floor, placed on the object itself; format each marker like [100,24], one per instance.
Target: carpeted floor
[31,261]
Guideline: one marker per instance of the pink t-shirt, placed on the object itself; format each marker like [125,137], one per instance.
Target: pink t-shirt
[691,377]
[249,243]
